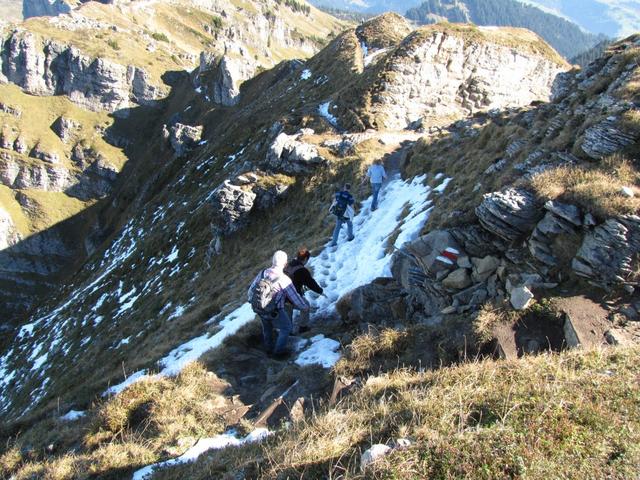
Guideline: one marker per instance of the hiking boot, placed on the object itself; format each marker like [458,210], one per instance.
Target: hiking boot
[350,239]
[332,244]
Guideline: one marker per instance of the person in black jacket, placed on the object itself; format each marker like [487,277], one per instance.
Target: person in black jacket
[302,279]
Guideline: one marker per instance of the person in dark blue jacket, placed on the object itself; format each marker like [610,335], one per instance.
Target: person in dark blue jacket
[342,208]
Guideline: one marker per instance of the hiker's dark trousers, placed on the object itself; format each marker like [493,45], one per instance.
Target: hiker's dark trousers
[281,322]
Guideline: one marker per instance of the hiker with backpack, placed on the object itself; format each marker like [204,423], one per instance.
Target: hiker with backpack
[267,295]
[376,175]
[342,208]
[301,277]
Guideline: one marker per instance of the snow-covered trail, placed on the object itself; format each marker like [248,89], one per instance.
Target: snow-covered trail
[349,265]
[339,269]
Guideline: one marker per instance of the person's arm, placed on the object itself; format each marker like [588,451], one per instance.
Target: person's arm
[309,282]
[384,173]
[294,297]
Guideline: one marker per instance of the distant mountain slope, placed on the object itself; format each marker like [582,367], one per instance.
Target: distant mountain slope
[368,6]
[565,37]
[595,52]
[616,18]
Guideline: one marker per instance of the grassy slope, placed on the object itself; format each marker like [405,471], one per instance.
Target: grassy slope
[39,113]
[569,415]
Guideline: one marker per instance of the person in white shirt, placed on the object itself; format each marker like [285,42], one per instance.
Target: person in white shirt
[376,175]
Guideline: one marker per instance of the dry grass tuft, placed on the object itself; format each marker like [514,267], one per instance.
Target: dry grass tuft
[595,189]
[488,318]
[364,348]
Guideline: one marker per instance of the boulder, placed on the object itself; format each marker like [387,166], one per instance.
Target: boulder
[457,280]
[287,154]
[609,254]
[520,298]
[65,128]
[373,303]
[604,139]
[184,137]
[510,214]
[483,268]
[231,205]
[372,454]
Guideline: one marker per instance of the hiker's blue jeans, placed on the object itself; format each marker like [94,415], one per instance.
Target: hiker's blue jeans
[281,322]
[339,223]
[375,187]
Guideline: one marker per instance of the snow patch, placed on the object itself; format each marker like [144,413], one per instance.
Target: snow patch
[203,445]
[324,112]
[131,379]
[323,351]
[72,415]
[306,74]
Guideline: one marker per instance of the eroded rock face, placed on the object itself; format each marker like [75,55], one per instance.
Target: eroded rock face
[288,154]
[509,214]
[445,75]
[610,253]
[51,68]
[94,181]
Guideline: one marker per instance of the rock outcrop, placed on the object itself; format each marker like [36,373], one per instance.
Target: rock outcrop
[183,138]
[232,204]
[48,67]
[65,128]
[95,180]
[220,78]
[288,154]
[438,73]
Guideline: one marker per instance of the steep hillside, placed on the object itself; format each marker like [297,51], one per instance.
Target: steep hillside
[97,72]
[511,207]
[566,37]
[111,300]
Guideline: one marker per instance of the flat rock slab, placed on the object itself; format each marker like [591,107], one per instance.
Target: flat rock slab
[585,322]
